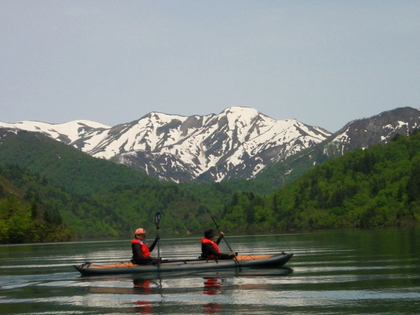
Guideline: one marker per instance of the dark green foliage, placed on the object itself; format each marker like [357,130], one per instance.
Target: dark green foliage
[98,198]
[65,166]
[379,186]
[115,213]
[24,216]
[46,198]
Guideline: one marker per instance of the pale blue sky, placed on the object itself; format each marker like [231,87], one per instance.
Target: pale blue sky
[324,63]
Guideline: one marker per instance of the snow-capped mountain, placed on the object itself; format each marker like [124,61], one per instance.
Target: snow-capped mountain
[68,133]
[381,128]
[357,134]
[238,142]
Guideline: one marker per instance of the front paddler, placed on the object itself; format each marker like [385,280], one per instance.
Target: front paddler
[141,250]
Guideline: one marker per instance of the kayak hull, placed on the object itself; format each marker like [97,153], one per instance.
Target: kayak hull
[276,260]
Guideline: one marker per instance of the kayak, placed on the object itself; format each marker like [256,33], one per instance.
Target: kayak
[168,265]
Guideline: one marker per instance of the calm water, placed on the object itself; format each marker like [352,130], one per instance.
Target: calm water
[332,272]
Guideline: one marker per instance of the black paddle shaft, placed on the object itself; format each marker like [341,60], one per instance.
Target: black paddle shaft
[157,220]
[234,257]
[220,232]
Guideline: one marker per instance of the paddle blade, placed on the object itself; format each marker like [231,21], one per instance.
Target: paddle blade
[157,219]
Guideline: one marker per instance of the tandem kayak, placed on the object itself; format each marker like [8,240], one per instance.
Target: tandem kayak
[168,265]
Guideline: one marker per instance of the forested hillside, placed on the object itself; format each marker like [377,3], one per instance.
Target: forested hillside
[26,216]
[65,166]
[379,186]
[34,210]
[98,198]
[41,199]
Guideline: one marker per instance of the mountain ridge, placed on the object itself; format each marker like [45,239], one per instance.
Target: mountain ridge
[237,143]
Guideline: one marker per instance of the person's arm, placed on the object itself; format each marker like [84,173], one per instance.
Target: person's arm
[222,234]
[209,250]
[223,255]
[152,247]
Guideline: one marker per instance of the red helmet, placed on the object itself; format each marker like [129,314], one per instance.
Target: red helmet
[140,231]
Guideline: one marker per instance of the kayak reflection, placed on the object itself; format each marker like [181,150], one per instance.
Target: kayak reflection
[143,287]
[212,286]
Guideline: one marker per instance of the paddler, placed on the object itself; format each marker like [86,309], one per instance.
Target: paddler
[141,250]
[210,247]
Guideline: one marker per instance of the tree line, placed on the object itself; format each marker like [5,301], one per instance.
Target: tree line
[375,187]
[378,186]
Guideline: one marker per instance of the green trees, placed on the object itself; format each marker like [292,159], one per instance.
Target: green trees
[26,213]
[378,186]
[21,222]
[248,212]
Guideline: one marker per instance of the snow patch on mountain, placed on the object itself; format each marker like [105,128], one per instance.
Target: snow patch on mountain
[66,132]
[237,141]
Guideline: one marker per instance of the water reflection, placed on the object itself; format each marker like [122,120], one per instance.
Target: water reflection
[143,287]
[334,272]
[212,286]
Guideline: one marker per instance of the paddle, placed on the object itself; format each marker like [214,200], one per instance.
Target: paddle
[157,220]
[236,260]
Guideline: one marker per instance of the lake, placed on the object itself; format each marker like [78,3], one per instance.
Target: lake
[332,272]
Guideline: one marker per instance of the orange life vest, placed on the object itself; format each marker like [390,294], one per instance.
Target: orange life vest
[143,246]
[207,241]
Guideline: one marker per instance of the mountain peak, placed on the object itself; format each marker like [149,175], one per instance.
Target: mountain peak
[239,110]
[237,141]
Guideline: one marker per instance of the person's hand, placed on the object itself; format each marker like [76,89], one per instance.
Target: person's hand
[222,233]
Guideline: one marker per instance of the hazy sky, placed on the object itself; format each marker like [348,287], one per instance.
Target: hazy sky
[324,63]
